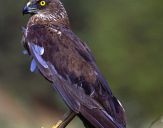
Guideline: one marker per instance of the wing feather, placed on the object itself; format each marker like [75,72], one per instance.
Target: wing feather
[63,57]
[33,65]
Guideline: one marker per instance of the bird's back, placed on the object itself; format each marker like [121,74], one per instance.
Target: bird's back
[73,61]
[67,62]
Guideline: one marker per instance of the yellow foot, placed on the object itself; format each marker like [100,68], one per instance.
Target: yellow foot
[57,125]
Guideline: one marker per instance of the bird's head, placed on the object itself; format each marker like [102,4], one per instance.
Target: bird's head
[51,10]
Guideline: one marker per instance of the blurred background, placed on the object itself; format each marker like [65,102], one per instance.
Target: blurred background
[126,39]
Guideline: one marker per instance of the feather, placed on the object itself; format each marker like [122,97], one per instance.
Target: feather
[25,52]
[67,62]
[33,66]
[38,51]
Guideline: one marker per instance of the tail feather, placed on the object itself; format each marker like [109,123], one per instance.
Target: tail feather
[86,123]
[98,118]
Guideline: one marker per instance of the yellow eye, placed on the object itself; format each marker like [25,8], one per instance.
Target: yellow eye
[42,3]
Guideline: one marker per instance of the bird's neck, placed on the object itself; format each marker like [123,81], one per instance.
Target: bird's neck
[49,19]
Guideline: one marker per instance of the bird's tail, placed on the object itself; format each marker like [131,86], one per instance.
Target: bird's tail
[98,118]
[86,123]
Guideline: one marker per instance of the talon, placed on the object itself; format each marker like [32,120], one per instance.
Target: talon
[58,124]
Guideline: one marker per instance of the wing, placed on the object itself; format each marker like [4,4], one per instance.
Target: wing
[67,62]
[111,104]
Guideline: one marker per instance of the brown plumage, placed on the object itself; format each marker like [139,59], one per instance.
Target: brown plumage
[67,62]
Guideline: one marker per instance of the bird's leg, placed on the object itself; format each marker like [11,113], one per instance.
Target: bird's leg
[67,119]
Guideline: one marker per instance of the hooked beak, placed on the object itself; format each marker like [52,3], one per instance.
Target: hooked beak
[30,8]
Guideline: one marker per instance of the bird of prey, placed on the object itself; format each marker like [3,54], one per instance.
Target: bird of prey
[67,62]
